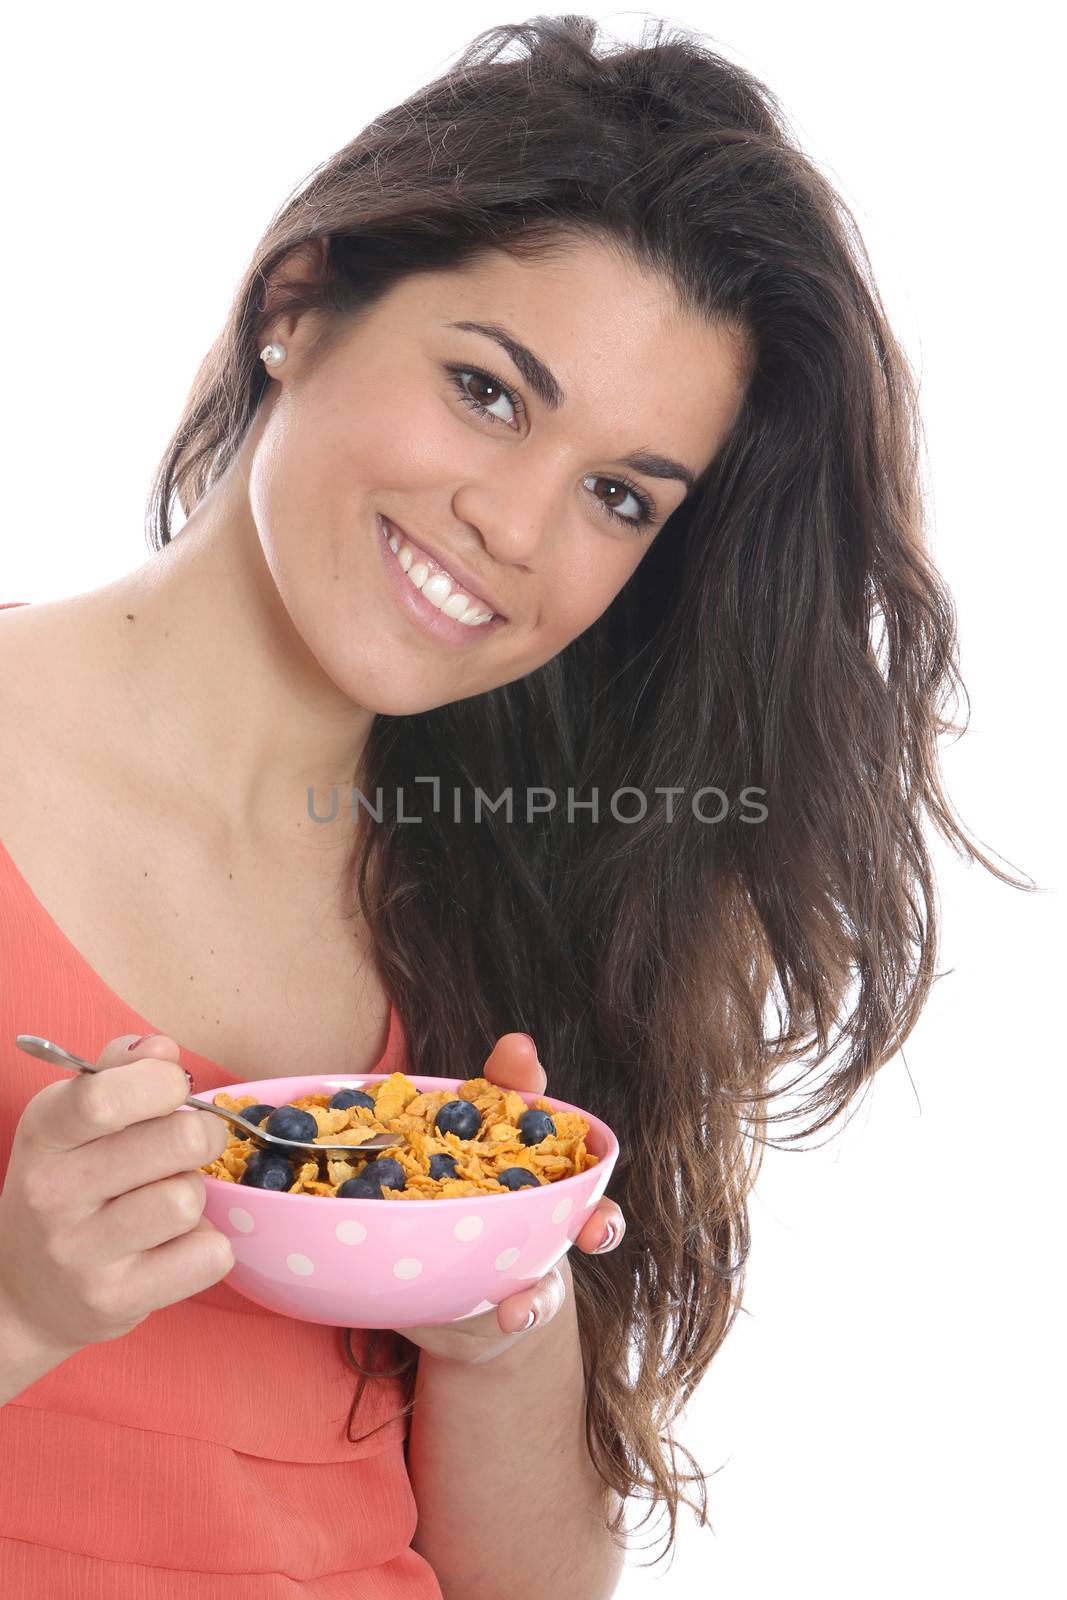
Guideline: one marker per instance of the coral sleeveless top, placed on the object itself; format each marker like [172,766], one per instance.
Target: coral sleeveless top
[205,1452]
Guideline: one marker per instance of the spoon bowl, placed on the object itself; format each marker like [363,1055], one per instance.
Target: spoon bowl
[45,1050]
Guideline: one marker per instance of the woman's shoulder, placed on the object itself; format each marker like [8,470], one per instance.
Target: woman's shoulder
[27,621]
[41,641]
[51,650]
[43,700]
[20,655]
[31,644]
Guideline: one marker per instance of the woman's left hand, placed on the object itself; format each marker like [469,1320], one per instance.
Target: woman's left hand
[513,1064]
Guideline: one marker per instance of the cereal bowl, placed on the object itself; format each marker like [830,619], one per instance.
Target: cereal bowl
[403,1263]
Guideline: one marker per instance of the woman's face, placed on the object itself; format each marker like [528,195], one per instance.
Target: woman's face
[528,504]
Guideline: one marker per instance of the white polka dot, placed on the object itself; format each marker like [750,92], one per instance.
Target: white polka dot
[468,1227]
[407,1267]
[506,1259]
[240,1219]
[301,1265]
[351,1232]
[563,1210]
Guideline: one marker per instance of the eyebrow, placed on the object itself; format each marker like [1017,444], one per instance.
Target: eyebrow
[548,389]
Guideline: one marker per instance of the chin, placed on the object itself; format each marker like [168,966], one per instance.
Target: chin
[374,688]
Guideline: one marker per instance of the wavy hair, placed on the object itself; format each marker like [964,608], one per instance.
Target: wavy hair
[786,632]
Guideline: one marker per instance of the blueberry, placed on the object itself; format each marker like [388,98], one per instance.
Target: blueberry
[350,1097]
[359,1189]
[289,1122]
[458,1117]
[385,1172]
[257,1113]
[264,1169]
[535,1126]
[442,1166]
[518,1178]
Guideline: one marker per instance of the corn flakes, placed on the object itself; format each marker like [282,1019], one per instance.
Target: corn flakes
[495,1160]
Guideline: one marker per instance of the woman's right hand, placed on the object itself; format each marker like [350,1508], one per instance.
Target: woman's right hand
[100,1212]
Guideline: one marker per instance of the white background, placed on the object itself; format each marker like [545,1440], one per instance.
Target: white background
[887,1415]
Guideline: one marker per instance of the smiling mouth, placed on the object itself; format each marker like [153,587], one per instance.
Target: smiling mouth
[434,582]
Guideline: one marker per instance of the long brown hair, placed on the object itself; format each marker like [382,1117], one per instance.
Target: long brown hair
[786,633]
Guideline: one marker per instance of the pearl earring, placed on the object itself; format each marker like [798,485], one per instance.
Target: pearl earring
[272,355]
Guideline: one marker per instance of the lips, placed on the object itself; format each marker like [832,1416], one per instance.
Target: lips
[446,564]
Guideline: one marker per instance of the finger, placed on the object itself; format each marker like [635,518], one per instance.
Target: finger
[145,1217]
[137,1047]
[603,1230]
[533,1307]
[145,1152]
[513,1064]
[73,1111]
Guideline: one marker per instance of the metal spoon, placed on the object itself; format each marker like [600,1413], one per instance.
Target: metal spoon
[45,1050]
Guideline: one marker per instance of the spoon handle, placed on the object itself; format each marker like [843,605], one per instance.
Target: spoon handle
[45,1050]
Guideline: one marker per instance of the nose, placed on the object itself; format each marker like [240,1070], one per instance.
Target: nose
[513,509]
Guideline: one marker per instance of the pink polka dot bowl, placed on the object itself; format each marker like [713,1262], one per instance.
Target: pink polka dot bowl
[360,1263]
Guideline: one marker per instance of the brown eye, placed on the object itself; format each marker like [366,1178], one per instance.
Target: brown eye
[620,487]
[463,378]
[617,488]
[484,383]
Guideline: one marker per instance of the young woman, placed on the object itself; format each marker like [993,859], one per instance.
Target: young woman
[554,482]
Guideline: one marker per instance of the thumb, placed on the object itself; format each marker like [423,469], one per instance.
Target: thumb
[138,1047]
[513,1064]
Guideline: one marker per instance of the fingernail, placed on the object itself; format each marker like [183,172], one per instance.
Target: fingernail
[527,1036]
[532,1318]
[609,1241]
[136,1042]
[190,1078]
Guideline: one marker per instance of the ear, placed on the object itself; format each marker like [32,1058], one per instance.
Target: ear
[290,292]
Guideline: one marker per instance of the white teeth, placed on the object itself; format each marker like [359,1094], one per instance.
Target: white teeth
[437,590]
[438,587]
